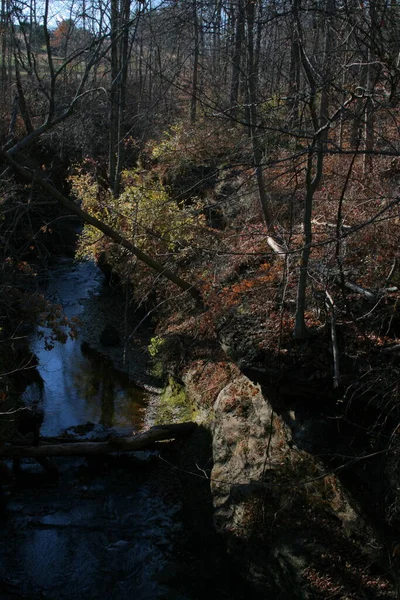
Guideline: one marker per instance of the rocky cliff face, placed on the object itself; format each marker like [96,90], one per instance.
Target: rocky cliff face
[289,523]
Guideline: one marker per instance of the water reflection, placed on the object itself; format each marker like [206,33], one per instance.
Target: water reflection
[116,399]
[80,385]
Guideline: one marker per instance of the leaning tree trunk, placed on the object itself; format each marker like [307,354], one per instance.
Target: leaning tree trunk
[103,227]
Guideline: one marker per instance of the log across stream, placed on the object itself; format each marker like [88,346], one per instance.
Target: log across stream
[131,443]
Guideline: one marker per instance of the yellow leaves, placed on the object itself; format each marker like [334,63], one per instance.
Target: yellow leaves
[144,212]
[171,142]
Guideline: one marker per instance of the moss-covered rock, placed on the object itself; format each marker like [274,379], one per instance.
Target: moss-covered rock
[174,406]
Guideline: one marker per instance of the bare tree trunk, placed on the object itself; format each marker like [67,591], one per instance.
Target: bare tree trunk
[216,45]
[320,122]
[360,107]
[125,53]
[236,61]
[195,74]
[295,67]
[114,109]
[300,329]
[326,76]
[252,90]
[294,81]
[335,348]
[6,49]
[344,78]
[368,119]
[21,99]
[3,34]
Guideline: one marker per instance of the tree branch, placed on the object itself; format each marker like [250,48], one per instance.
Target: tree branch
[103,227]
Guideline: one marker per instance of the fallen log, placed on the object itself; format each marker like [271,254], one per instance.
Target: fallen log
[360,290]
[116,444]
[277,248]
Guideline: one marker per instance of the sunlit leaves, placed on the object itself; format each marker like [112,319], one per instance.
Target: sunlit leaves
[144,212]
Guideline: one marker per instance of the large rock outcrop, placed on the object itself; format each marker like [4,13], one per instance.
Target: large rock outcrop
[289,523]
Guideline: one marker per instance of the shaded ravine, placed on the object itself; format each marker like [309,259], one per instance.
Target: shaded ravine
[104,530]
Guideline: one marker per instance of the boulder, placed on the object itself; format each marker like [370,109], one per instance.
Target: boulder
[288,521]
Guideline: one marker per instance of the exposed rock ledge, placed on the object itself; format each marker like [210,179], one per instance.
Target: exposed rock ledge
[288,521]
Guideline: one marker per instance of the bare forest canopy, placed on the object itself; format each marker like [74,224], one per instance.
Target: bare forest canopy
[244,151]
[235,166]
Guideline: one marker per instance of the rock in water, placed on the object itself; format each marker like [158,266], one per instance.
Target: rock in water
[109,336]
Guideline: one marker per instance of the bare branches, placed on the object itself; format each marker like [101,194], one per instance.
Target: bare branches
[335,349]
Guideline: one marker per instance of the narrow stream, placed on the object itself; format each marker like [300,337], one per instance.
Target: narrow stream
[104,530]
[81,386]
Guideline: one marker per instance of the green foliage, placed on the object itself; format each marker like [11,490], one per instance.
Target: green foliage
[153,215]
[155,345]
[172,142]
[200,144]
[272,104]
[144,213]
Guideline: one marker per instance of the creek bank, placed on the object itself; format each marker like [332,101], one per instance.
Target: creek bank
[117,526]
[131,338]
[291,527]
[187,463]
[289,524]
[286,519]
[130,356]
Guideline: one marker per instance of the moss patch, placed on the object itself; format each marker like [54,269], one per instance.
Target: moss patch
[174,405]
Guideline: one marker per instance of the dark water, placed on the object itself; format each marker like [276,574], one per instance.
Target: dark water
[81,386]
[104,530]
